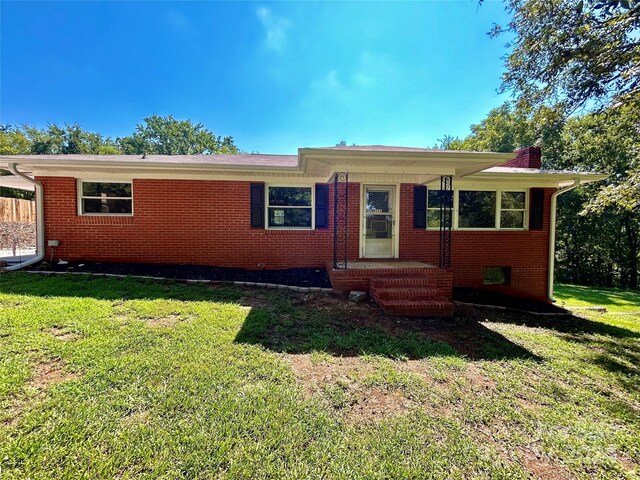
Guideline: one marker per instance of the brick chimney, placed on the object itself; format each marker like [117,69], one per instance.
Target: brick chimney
[528,157]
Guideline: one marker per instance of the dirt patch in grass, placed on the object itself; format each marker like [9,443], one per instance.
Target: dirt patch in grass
[541,467]
[363,390]
[45,374]
[338,382]
[49,373]
[63,334]
[166,321]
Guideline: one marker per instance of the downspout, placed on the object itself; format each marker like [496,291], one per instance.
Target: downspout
[552,236]
[39,220]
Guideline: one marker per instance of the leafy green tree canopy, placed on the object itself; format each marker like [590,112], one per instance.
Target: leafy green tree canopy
[573,53]
[167,136]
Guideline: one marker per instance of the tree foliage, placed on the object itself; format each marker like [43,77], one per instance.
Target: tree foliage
[168,136]
[159,135]
[573,53]
[598,224]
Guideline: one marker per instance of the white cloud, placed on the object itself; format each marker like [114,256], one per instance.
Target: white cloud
[276,29]
[371,75]
[178,22]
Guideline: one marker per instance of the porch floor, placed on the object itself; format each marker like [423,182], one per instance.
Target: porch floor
[364,265]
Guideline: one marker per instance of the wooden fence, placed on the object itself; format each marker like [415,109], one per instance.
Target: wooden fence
[17,210]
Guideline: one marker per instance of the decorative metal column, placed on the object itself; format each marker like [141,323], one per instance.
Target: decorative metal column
[446,219]
[340,220]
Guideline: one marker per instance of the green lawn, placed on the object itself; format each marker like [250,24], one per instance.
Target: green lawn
[123,378]
[622,306]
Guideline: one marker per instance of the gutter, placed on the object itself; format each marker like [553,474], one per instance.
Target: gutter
[39,220]
[552,236]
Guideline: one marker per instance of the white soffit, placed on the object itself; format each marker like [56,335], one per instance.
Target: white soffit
[11,181]
[404,162]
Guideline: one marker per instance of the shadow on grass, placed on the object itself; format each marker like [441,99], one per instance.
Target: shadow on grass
[111,288]
[614,349]
[358,332]
[294,322]
[570,324]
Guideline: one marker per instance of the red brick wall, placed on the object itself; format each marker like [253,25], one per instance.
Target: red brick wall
[207,222]
[526,252]
[185,222]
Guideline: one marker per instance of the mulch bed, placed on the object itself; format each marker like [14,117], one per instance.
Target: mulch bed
[18,235]
[299,277]
[486,297]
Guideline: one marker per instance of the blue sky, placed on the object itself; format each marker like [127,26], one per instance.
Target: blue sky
[275,76]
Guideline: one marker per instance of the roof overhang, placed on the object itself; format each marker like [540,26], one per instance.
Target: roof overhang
[434,162]
[11,181]
[274,163]
[314,164]
[536,177]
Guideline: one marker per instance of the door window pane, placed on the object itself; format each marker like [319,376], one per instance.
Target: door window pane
[377,202]
[379,226]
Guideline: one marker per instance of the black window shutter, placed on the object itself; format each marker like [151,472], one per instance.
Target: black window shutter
[536,209]
[257,205]
[419,206]
[322,205]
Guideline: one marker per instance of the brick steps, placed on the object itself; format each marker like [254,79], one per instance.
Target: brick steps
[402,282]
[416,293]
[439,307]
[410,296]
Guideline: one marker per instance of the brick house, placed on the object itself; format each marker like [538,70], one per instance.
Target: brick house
[406,224]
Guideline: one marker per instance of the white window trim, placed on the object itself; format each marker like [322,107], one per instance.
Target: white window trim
[313,206]
[525,210]
[79,183]
[496,227]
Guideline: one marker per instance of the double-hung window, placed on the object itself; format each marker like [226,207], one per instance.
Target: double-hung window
[434,200]
[476,209]
[512,209]
[290,207]
[105,198]
[499,209]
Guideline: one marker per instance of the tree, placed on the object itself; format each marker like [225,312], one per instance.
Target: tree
[13,141]
[573,54]
[449,142]
[168,136]
[598,224]
[508,128]
[608,142]
[70,139]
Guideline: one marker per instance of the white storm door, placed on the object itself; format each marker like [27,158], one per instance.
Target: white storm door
[378,222]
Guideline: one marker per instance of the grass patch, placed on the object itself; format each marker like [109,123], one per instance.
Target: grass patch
[615,300]
[121,378]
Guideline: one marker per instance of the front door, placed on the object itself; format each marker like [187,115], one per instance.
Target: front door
[378,222]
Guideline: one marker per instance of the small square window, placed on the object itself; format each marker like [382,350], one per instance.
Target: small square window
[290,207]
[106,198]
[497,275]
